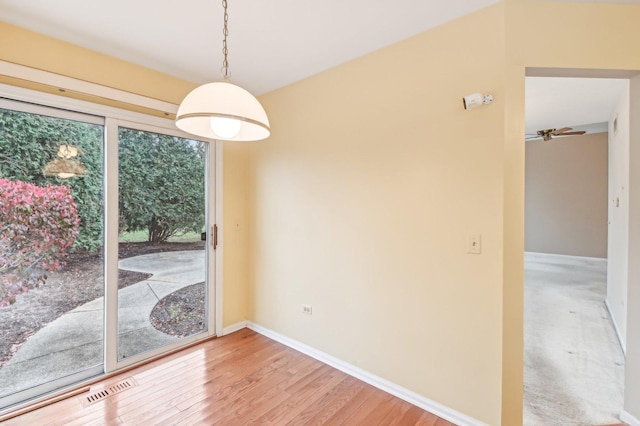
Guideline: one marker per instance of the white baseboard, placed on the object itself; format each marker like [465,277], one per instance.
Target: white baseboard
[233,328]
[380,383]
[564,256]
[615,327]
[629,419]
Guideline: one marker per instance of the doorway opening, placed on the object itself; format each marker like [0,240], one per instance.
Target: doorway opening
[574,360]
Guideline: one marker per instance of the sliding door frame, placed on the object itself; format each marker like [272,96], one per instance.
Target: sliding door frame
[13,104]
[114,117]
[111,361]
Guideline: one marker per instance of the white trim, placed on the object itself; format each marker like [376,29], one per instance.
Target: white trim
[77,105]
[156,352]
[564,256]
[380,383]
[212,264]
[615,327]
[234,327]
[629,419]
[110,244]
[74,85]
[219,252]
[31,108]
[22,398]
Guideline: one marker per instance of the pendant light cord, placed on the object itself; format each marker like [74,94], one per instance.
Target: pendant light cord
[225,51]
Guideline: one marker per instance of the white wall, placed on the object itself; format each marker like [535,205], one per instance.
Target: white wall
[632,365]
[618,241]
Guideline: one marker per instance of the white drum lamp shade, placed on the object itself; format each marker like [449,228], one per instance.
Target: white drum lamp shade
[223,111]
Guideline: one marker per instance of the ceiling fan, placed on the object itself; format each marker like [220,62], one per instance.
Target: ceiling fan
[548,134]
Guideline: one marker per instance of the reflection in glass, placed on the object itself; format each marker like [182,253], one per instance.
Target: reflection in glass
[161,217]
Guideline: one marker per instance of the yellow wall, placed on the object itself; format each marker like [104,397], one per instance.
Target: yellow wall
[513,232]
[24,47]
[37,51]
[361,203]
[361,200]
[235,216]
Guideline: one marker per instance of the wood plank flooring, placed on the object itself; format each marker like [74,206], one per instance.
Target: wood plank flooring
[240,379]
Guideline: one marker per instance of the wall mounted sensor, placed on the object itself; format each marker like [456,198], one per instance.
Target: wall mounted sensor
[475,100]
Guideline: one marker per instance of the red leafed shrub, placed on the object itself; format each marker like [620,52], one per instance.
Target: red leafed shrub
[38,225]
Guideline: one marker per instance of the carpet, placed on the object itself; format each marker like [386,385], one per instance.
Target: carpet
[574,366]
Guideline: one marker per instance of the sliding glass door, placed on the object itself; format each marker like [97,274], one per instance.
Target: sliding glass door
[162,217]
[106,254]
[51,249]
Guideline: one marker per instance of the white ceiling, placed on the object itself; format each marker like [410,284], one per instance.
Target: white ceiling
[570,102]
[277,42]
[271,43]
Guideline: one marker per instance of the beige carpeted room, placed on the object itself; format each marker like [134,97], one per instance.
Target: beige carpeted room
[575,233]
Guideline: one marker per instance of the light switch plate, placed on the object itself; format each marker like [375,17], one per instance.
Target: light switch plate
[474,244]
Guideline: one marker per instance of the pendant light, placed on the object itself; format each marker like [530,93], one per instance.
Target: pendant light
[222,110]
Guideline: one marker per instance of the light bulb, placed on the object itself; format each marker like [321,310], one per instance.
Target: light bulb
[225,128]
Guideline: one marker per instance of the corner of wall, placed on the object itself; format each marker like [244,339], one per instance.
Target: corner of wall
[235,231]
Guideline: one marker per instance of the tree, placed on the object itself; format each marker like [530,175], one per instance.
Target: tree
[29,141]
[161,178]
[161,184]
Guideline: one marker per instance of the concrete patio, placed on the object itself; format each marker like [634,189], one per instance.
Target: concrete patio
[75,340]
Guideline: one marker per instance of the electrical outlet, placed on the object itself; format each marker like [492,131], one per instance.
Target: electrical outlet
[306,309]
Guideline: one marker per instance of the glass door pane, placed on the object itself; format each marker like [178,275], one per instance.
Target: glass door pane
[162,224]
[51,249]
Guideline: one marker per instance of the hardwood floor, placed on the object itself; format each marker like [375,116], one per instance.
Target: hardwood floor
[240,379]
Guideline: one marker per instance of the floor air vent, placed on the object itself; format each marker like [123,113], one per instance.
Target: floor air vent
[96,396]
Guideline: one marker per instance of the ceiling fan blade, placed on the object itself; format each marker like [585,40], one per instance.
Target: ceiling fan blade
[558,131]
[579,132]
[532,137]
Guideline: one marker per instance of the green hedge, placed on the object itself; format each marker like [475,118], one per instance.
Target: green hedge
[28,142]
[161,179]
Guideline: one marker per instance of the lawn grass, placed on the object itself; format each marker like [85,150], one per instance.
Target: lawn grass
[133,237]
[143,236]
